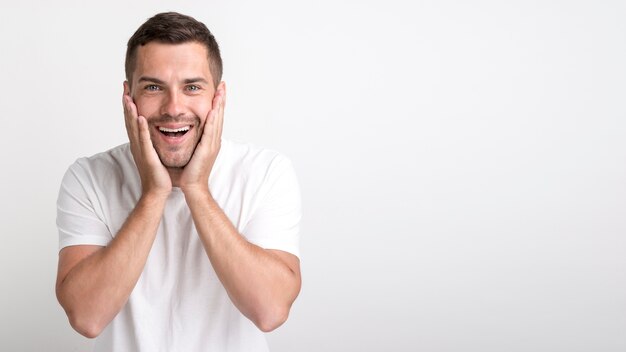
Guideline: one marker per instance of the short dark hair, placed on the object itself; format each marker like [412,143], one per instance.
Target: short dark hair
[174,28]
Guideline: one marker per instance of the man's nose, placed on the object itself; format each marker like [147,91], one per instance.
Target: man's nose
[173,104]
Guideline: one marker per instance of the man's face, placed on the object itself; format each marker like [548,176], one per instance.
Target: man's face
[172,88]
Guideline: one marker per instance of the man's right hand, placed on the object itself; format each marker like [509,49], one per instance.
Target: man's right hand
[154,176]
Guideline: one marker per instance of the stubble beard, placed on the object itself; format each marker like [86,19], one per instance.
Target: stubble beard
[176,157]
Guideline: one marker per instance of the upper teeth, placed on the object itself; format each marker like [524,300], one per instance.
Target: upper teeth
[182,129]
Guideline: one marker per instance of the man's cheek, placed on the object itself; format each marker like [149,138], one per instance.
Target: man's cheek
[154,134]
[200,133]
[146,107]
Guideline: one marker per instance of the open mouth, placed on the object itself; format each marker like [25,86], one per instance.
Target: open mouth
[174,132]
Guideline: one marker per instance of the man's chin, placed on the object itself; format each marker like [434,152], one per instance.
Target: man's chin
[174,162]
[175,157]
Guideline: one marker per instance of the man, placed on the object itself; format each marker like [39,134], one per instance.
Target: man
[178,240]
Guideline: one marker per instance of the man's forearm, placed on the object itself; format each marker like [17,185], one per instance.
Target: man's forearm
[259,282]
[93,288]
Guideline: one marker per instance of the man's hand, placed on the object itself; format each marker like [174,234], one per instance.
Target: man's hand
[261,283]
[195,176]
[154,176]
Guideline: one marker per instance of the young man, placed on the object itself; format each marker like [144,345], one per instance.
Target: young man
[178,240]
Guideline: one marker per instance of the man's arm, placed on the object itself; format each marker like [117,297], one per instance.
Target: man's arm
[93,282]
[261,283]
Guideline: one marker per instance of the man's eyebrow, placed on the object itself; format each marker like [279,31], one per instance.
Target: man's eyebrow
[195,80]
[150,79]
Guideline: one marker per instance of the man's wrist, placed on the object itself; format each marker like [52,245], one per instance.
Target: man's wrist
[154,197]
[194,192]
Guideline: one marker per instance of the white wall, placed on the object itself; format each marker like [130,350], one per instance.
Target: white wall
[462,162]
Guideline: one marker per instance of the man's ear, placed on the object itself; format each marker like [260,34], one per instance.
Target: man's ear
[222,87]
[126,88]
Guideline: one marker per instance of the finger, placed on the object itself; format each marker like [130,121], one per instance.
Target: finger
[218,123]
[207,132]
[210,124]
[130,110]
[216,97]
[211,116]
[130,117]
[126,111]
[214,117]
[220,117]
[145,141]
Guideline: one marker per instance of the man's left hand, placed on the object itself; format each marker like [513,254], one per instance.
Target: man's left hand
[195,175]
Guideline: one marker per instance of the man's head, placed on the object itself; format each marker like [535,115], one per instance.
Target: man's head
[173,70]
[174,28]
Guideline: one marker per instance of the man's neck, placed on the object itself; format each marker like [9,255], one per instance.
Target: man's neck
[175,174]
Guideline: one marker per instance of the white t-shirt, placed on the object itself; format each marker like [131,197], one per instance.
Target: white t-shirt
[179,303]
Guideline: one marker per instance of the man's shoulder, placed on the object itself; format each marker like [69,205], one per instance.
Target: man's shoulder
[115,153]
[248,157]
[115,161]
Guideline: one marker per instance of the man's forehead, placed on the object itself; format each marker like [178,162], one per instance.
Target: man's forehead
[155,44]
[186,60]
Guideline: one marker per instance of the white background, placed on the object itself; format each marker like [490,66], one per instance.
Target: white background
[462,163]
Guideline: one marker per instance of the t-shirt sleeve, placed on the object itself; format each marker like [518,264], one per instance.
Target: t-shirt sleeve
[275,223]
[79,217]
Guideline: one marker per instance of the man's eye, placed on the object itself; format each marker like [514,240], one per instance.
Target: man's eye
[193,88]
[152,87]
